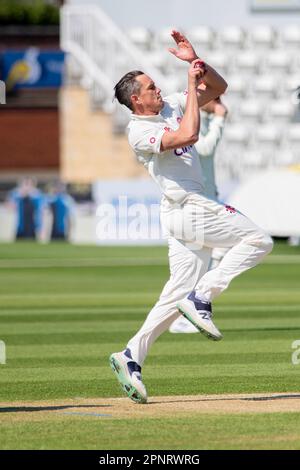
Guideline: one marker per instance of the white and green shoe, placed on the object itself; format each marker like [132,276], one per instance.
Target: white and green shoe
[199,313]
[128,373]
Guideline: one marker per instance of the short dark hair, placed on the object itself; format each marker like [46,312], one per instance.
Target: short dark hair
[126,87]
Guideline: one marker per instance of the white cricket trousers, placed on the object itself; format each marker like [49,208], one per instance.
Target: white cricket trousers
[194,228]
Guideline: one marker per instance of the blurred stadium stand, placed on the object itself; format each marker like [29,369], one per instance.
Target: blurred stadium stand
[259,63]
[29,121]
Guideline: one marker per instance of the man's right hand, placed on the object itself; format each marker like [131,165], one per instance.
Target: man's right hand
[196,71]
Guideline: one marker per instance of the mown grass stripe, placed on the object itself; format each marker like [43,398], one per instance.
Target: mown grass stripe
[158,351]
[46,263]
[259,334]
[164,371]
[82,263]
[121,325]
[95,387]
[265,290]
[94,360]
[77,313]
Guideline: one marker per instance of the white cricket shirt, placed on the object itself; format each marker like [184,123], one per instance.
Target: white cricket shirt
[178,172]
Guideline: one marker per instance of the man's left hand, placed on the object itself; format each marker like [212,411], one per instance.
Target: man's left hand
[185,50]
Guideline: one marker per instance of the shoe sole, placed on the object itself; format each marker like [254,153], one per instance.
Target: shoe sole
[183,332]
[178,331]
[126,386]
[202,330]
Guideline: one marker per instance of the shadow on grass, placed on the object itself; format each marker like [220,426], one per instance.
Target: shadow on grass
[33,409]
[272,397]
[264,398]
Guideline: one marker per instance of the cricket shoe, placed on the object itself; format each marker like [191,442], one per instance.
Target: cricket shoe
[182,325]
[199,313]
[129,375]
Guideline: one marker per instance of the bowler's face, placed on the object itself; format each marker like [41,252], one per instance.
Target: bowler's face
[149,96]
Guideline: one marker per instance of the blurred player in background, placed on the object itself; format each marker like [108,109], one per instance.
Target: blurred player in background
[29,204]
[61,205]
[162,132]
[213,116]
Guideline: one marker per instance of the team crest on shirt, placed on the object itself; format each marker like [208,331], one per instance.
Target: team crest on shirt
[230,209]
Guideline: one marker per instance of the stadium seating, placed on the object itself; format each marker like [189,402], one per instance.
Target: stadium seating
[203,37]
[280,110]
[251,110]
[262,36]
[238,85]
[218,59]
[140,36]
[279,60]
[265,86]
[290,36]
[247,61]
[232,37]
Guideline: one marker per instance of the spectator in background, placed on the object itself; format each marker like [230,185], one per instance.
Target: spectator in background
[29,203]
[61,206]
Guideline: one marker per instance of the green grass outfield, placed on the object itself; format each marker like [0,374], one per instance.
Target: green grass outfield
[64,309]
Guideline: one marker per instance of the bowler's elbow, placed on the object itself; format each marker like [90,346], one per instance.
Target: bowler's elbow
[194,138]
[223,86]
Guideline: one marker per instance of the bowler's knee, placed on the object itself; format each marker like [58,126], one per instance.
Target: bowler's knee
[262,241]
[266,243]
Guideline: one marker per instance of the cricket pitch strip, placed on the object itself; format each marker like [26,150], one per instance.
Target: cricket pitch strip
[165,406]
